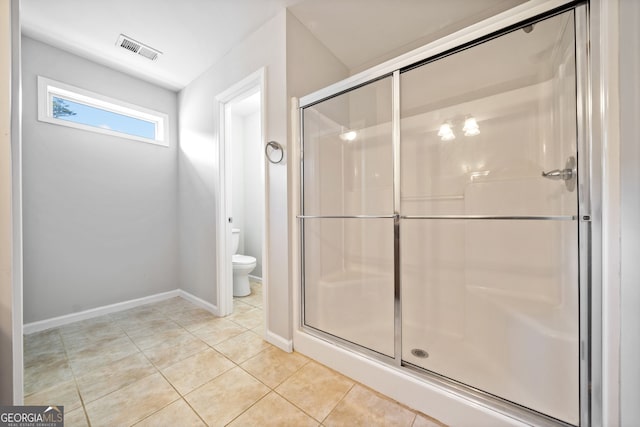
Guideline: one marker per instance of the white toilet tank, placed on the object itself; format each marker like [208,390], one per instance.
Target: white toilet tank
[235,239]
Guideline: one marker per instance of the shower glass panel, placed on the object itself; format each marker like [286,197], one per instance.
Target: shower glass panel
[349,289]
[348,168]
[489,248]
[347,217]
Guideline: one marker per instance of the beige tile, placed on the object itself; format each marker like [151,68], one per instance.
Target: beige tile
[363,407]
[254,299]
[82,343]
[143,313]
[215,332]
[114,376]
[196,370]
[102,353]
[135,323]
[227,396]
[158,325]
[272,366]
[42,341]
[63,394]
[189,313]
[89,330]
[49,356]
[197,322]
[192,319]
[212,323]
[132,403]
[239,307]
[260,330]
[170,352]
[179,413]
[147,338]
[242,347]
[89,325]
[315,389]
[273,410]
[40,376]
[75,418]
[424,421]
[173,305]
[249,319]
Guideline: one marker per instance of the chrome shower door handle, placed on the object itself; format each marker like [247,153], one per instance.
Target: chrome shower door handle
[568,174]
[564,174]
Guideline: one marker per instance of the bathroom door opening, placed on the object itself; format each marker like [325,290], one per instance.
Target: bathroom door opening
[445,219]
[242,189]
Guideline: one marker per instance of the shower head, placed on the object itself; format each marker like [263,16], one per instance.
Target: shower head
[527,29]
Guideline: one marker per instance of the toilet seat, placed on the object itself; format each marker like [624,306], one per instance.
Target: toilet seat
[242,259]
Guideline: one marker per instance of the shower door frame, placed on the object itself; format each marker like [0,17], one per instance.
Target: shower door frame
[589,201]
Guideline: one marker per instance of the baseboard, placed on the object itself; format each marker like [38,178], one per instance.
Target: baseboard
[280,342]
[255,278]
[199,302]
[41,325]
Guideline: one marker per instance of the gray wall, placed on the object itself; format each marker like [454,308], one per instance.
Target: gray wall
[100,212]
[630,213]
[296,63]
[198,168]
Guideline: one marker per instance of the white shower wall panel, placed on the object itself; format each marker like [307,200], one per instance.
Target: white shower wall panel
[353,300]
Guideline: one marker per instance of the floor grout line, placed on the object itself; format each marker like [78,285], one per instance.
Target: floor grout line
[122,331]
[183,396]
[75,379]
[127,328]
[163,376]
[339,400]
[116,361]
[251,406]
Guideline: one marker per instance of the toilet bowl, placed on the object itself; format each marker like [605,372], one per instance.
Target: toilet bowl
[242,266]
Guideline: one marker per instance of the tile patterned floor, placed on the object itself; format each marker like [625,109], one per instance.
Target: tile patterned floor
[174,364]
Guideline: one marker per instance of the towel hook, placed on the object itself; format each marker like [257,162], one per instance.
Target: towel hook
[274,152]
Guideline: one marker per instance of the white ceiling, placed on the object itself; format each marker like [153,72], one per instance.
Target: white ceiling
[363,33]
[192,34]
[195,34]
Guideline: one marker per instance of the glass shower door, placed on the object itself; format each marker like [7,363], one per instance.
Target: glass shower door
[347,220]
[489,231]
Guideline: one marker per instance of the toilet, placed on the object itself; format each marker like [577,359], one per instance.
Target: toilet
[242,266]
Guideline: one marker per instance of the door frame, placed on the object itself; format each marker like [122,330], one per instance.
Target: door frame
[254,82]
[15,239]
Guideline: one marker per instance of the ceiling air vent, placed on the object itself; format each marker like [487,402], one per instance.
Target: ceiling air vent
[131,45]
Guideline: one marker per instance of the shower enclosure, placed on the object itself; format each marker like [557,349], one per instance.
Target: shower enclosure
[444,217]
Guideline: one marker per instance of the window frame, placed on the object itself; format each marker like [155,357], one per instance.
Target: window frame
[48,89]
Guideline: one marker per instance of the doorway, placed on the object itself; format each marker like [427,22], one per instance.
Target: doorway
[241,208]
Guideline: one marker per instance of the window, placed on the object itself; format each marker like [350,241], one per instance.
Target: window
[66,105]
